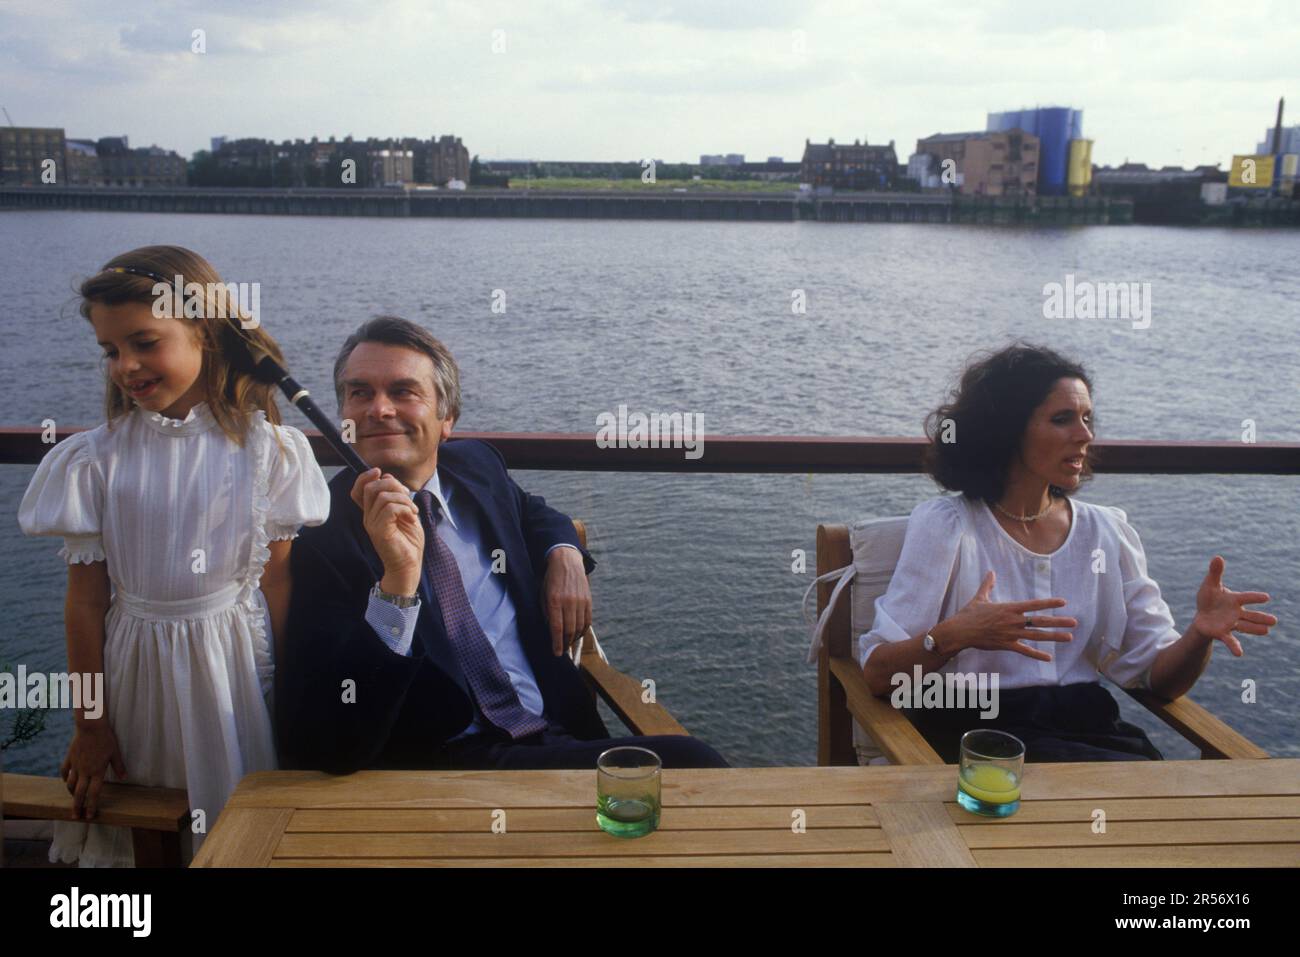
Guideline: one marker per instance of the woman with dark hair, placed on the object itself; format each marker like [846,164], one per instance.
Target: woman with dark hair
[1013,561]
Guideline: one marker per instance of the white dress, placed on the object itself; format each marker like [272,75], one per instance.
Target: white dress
[182,515]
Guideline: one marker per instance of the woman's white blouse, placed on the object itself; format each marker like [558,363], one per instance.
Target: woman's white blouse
[1100,570]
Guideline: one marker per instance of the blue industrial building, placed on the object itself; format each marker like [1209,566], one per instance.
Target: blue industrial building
[1055,127]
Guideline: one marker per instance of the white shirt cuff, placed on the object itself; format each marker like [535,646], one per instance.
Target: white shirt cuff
[394,626]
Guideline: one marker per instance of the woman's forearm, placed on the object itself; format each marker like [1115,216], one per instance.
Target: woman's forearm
[900,657]
[1178,666]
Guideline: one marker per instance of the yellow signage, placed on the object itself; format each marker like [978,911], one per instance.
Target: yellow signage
[1251,172]
[1079,169]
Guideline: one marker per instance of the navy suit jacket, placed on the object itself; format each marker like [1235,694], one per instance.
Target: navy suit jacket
[402,709]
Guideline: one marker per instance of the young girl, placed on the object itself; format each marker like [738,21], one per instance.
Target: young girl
[186,500]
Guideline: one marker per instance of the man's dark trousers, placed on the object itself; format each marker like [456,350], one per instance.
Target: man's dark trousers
[555,749]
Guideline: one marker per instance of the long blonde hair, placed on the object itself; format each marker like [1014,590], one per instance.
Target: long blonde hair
[232,395]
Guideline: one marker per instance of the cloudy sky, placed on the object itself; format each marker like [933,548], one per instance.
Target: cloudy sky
[1182,82]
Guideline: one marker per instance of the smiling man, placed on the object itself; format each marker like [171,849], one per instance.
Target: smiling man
[431,612]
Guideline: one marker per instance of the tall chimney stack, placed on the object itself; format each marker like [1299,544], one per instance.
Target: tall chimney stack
[1277,130]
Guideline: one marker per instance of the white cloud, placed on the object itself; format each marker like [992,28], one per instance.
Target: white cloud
[614,79]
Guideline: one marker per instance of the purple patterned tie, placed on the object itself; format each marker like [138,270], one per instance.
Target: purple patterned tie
[493,692]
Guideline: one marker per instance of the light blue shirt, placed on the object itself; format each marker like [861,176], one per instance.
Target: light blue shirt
[488,598]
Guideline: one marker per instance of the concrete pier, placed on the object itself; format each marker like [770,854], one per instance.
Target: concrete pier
[579,204]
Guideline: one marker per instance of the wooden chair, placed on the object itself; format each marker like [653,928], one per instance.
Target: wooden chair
[623,694]
[844,697]
[156,816]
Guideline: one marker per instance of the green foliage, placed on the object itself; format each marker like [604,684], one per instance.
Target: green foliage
[24,725]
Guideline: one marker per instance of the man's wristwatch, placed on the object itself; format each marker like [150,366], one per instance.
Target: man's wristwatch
[400,601]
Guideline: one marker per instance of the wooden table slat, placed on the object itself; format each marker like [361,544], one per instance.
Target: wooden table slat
[748,860]
[1200,855]
[243,837]
[480,820]
[591,843]
[922,835]
[1139,809]
[1129,833]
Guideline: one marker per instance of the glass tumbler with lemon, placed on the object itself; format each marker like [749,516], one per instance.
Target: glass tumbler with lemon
[988,778]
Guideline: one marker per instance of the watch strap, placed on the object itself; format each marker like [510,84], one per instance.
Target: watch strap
[398,601]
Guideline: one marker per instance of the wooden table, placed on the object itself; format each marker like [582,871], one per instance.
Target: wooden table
[1158,814]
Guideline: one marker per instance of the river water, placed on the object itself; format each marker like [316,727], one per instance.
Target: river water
[694,586]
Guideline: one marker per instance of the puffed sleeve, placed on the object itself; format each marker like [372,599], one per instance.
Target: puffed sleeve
[1149,627]
[914,600]
[66,497]
[297,490]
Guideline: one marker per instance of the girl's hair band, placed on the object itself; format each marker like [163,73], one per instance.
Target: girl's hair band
[136,271]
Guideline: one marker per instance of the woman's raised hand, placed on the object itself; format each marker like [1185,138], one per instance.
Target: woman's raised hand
[1002,626]
[93,749]
[1219,610]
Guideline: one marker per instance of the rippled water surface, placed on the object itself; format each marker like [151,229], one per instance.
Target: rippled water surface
[694,586]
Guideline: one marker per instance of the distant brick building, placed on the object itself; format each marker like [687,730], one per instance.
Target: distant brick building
[391,166]
[374,162]
[142,167]
[108,161]
[438,161]
[314,155]
[83,163]
[246,153]
[24,150]
[849,167]
[985,164]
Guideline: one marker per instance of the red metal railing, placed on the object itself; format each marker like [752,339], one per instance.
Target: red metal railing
[578,452]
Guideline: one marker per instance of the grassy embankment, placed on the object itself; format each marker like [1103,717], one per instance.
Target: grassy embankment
[663,185]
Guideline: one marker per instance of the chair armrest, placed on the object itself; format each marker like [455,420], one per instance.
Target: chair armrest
[895,735]
[120,805]
[623,694]
[156,816]
[1203,729]
[620,692]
